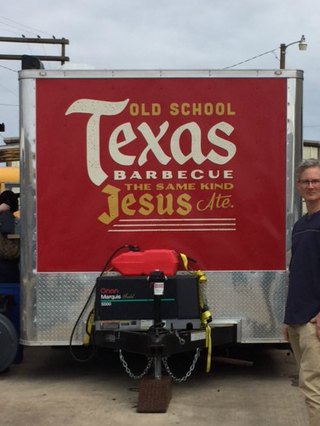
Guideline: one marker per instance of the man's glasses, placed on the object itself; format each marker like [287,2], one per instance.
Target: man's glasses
[307,182]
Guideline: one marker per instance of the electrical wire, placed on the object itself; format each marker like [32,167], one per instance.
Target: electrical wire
[21,27]
[130,247]
[7,68]
[251,59]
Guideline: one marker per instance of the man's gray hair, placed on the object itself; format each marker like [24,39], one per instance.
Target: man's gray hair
[306,164]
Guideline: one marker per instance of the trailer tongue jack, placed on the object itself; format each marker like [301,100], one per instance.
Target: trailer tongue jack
[155,393]
[170,324]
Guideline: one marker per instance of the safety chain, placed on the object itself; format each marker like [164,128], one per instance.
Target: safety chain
[129,372]
[188,374]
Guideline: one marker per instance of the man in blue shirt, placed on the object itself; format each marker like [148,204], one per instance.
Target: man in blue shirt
[302,316]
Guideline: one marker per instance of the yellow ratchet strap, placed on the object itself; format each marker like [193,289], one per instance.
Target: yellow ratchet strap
[184,259]
[89,326]
[209,346]
[205,314]
[205,318]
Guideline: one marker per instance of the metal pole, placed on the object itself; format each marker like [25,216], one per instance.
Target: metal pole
[283,48]
[62,41]
[157,367]
[38,40]
[40,57]
[63,54]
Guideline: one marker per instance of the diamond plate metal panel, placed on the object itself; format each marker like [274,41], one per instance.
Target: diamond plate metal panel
[58,301]
[255,299]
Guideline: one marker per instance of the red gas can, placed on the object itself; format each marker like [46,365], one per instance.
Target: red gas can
[144,262]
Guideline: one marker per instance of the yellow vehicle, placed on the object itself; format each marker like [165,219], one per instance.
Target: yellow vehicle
[10,179]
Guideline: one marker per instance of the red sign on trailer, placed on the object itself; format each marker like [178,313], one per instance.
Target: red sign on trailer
[197,165]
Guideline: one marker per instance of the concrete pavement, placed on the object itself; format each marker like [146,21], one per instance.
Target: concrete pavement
[50,388]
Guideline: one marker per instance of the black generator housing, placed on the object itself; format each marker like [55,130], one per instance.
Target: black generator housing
[132,298]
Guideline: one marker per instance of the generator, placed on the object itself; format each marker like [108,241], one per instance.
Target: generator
[143,309]
[127,303]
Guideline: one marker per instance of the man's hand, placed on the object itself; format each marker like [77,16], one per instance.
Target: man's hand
[316,322]
[318,325]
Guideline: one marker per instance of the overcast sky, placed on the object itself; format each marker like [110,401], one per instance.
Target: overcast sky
[165,34]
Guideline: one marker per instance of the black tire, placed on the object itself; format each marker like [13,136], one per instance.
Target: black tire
[8,343]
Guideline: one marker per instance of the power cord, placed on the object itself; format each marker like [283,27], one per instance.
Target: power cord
[130,248]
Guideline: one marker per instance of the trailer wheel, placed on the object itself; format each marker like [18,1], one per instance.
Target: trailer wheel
[8,343]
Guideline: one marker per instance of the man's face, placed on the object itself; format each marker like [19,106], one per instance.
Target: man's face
[309,184]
